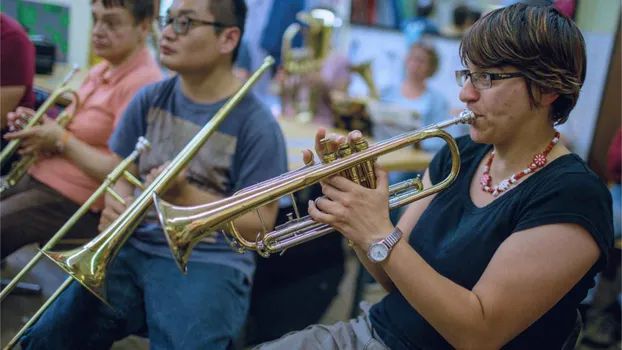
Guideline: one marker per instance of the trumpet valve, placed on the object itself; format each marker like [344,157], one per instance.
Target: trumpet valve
[352,174]
[328,156]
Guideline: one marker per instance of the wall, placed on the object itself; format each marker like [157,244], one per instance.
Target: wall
[79,26]
[597,19]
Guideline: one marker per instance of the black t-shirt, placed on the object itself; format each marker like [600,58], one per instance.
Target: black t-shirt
[459,239]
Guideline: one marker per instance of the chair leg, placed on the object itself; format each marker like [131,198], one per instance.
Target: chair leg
[23,288]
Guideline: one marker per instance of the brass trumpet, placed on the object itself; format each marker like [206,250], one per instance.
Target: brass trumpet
[88,264]
[19,168]
[184,227]
[106,187]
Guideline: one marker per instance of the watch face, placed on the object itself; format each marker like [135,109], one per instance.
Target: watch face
[378,252]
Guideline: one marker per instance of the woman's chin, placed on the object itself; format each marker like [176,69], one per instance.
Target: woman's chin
[477,135]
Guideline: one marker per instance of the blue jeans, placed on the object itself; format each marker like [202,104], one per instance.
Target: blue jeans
[204,309]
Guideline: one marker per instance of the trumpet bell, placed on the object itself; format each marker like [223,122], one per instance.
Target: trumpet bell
[85,266]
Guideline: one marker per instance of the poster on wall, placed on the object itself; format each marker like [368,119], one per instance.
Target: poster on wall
[45,22]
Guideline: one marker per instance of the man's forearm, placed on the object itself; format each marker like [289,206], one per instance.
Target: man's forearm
[248,225]
[93,162]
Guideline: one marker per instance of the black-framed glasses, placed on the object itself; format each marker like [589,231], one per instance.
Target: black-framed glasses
[482,80]
[182,24]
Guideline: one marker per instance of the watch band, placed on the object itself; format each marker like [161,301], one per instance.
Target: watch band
[393,238]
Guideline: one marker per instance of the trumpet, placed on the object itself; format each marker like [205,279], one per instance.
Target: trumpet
[19,168]
[88,264]
[184,227]
[106,187]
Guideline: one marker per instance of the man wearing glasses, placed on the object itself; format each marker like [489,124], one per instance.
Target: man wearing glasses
[77,158]
[206,308]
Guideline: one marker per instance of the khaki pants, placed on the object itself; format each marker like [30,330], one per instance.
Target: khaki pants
[31,212]
[356,334]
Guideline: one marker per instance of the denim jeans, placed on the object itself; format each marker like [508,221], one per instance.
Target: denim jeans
[204,309]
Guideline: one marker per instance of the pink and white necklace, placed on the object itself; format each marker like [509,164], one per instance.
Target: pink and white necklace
[539,160]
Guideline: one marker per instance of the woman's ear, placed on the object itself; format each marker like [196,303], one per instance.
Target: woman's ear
[547,98]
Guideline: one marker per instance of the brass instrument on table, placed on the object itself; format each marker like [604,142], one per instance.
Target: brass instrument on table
[298,63]
[88,264]
[19,168]
[106,187]
[184,227]
[352,113]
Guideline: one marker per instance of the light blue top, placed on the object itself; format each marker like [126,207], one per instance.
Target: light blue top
[431,107]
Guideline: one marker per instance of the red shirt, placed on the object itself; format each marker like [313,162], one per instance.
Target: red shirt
[17,58]
[614,157]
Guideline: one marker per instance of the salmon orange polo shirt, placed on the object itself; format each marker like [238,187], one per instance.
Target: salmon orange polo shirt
[104,95]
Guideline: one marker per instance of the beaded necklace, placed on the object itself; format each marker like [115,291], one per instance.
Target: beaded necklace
[539,160]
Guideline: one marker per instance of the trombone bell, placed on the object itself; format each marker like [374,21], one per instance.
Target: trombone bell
[85,266]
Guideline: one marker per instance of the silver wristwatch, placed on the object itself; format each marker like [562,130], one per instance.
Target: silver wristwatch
[379,251]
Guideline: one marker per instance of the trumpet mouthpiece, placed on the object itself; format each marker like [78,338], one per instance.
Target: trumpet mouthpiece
[467,116]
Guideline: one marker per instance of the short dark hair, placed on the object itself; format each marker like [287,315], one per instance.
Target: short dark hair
[461,14]
[140,9]
[541,42]
[428,47]
[231,13]
[425,10]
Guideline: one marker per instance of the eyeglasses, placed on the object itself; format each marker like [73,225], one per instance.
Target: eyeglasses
[483,80]
[181,25]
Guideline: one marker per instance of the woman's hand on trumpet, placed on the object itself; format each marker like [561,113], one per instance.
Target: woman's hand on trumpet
[359,213]
[41,139]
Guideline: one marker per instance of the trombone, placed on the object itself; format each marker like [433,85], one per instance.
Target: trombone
[184,227]
[19,168]
[106,187]
[88,264]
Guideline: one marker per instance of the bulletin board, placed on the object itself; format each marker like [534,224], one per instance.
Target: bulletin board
[48,20]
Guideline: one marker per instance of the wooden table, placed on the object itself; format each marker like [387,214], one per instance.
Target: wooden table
[300,136]
[50,82]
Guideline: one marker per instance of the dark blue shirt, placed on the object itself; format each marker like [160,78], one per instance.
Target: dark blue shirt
[458,240]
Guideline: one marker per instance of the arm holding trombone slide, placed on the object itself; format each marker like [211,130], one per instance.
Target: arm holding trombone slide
[106,188]
[184,227]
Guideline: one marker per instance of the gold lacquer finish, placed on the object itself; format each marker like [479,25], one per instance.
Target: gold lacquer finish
[19,168]
[89,263]
[186,226]
[298,63]
[80,273]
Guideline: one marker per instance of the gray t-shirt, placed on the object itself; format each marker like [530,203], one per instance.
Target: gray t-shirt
[247,148]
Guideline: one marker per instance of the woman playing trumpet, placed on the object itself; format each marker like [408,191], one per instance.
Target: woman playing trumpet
[504,255]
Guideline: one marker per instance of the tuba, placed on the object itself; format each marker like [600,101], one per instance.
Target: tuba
[19,168]
[184,227]
[299,63]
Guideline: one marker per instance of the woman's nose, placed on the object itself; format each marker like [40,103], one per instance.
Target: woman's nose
[468,93]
